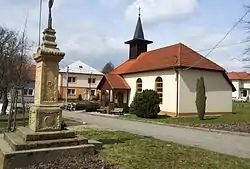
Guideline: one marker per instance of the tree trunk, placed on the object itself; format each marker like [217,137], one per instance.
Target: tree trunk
[5,101]
[1,94]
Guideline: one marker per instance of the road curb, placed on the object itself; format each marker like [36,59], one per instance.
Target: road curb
[176,125]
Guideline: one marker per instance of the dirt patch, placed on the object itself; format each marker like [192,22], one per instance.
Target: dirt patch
[234,127]
[84,161]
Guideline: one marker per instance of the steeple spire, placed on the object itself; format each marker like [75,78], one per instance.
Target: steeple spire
[138,44]
[139,30]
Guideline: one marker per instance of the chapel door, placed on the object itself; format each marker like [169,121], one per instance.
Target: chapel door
[120,98]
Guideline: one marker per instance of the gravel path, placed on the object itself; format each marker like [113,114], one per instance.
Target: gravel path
[218,142]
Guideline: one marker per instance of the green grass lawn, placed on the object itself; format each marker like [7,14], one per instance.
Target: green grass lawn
[131,151]
[241,115]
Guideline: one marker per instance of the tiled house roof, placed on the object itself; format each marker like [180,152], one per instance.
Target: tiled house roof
[113,81]
[239,76]
[175,56]
[80,67]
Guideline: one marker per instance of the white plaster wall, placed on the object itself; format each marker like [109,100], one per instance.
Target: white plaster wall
[81,80]
[246,84]
[218,91]
[148,82]
[236,84]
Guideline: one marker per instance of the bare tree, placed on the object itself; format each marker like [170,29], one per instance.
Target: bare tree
[108,68]
[14,62]
[248,30]
[245,55]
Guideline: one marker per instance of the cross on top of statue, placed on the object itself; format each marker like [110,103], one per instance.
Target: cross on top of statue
[51,2]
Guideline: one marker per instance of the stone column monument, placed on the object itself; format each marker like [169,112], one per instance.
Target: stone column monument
[43,140]
[46,114]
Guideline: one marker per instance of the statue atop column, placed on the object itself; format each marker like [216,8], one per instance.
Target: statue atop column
[51,2]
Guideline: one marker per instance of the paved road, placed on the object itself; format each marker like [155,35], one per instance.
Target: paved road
[218,142]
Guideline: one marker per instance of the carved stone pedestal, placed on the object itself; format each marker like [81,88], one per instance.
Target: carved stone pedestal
[45,118]
[26,147]
[43,140]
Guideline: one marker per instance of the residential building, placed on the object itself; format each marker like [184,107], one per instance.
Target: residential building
[29,89]
[82,80]
[241,81]
[172,71]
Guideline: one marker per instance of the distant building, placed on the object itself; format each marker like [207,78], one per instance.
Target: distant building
[241,81]
[82,80]
[29,89]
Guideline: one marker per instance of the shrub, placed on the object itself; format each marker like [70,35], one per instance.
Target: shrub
[92,108]
[146,104]
[84,105]
[200,98]
[125,109]
[79,97]
[80,106]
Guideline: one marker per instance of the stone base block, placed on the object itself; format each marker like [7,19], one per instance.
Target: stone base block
[29,135]
[17,143]
[45,118]
[16,152]
[10,159]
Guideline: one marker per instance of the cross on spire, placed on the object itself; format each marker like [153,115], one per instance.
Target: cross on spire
[139,11]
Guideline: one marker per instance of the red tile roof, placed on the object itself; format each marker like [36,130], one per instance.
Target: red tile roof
[239,76]
[174,56]
[114,81]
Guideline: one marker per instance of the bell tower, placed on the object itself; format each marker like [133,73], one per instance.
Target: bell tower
[138,44]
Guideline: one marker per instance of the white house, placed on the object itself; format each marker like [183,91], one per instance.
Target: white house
[173,72]
[82,80]
[241,81]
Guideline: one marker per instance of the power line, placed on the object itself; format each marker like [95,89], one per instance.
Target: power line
[223,46]
[221,40]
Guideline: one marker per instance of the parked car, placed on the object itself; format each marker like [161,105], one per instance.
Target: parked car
[240,99]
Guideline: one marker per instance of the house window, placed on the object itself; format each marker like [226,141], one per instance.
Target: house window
[139,85]
[28,92]
[244,93]
[71,91]
[91,80]
[92,92]
[159,87]
[71,79]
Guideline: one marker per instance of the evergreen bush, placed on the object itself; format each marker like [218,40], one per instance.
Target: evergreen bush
[201,98]
[146,104]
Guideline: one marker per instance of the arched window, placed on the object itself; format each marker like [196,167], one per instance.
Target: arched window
[159,87]
[139,85]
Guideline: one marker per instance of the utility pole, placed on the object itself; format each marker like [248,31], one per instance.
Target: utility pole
[40,22]
[67,84]
[90,86]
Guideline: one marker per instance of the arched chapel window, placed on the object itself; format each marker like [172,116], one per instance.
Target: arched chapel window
[139,85]
[159,87]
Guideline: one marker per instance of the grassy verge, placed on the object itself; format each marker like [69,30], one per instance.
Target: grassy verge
[3,125]
[241,115]
[132,151]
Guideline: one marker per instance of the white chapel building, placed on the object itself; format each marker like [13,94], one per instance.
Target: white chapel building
[172,71]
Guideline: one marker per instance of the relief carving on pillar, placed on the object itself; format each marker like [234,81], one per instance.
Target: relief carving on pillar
[49,121]
[50,86]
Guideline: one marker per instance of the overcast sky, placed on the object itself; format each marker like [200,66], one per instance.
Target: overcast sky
[94,31]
